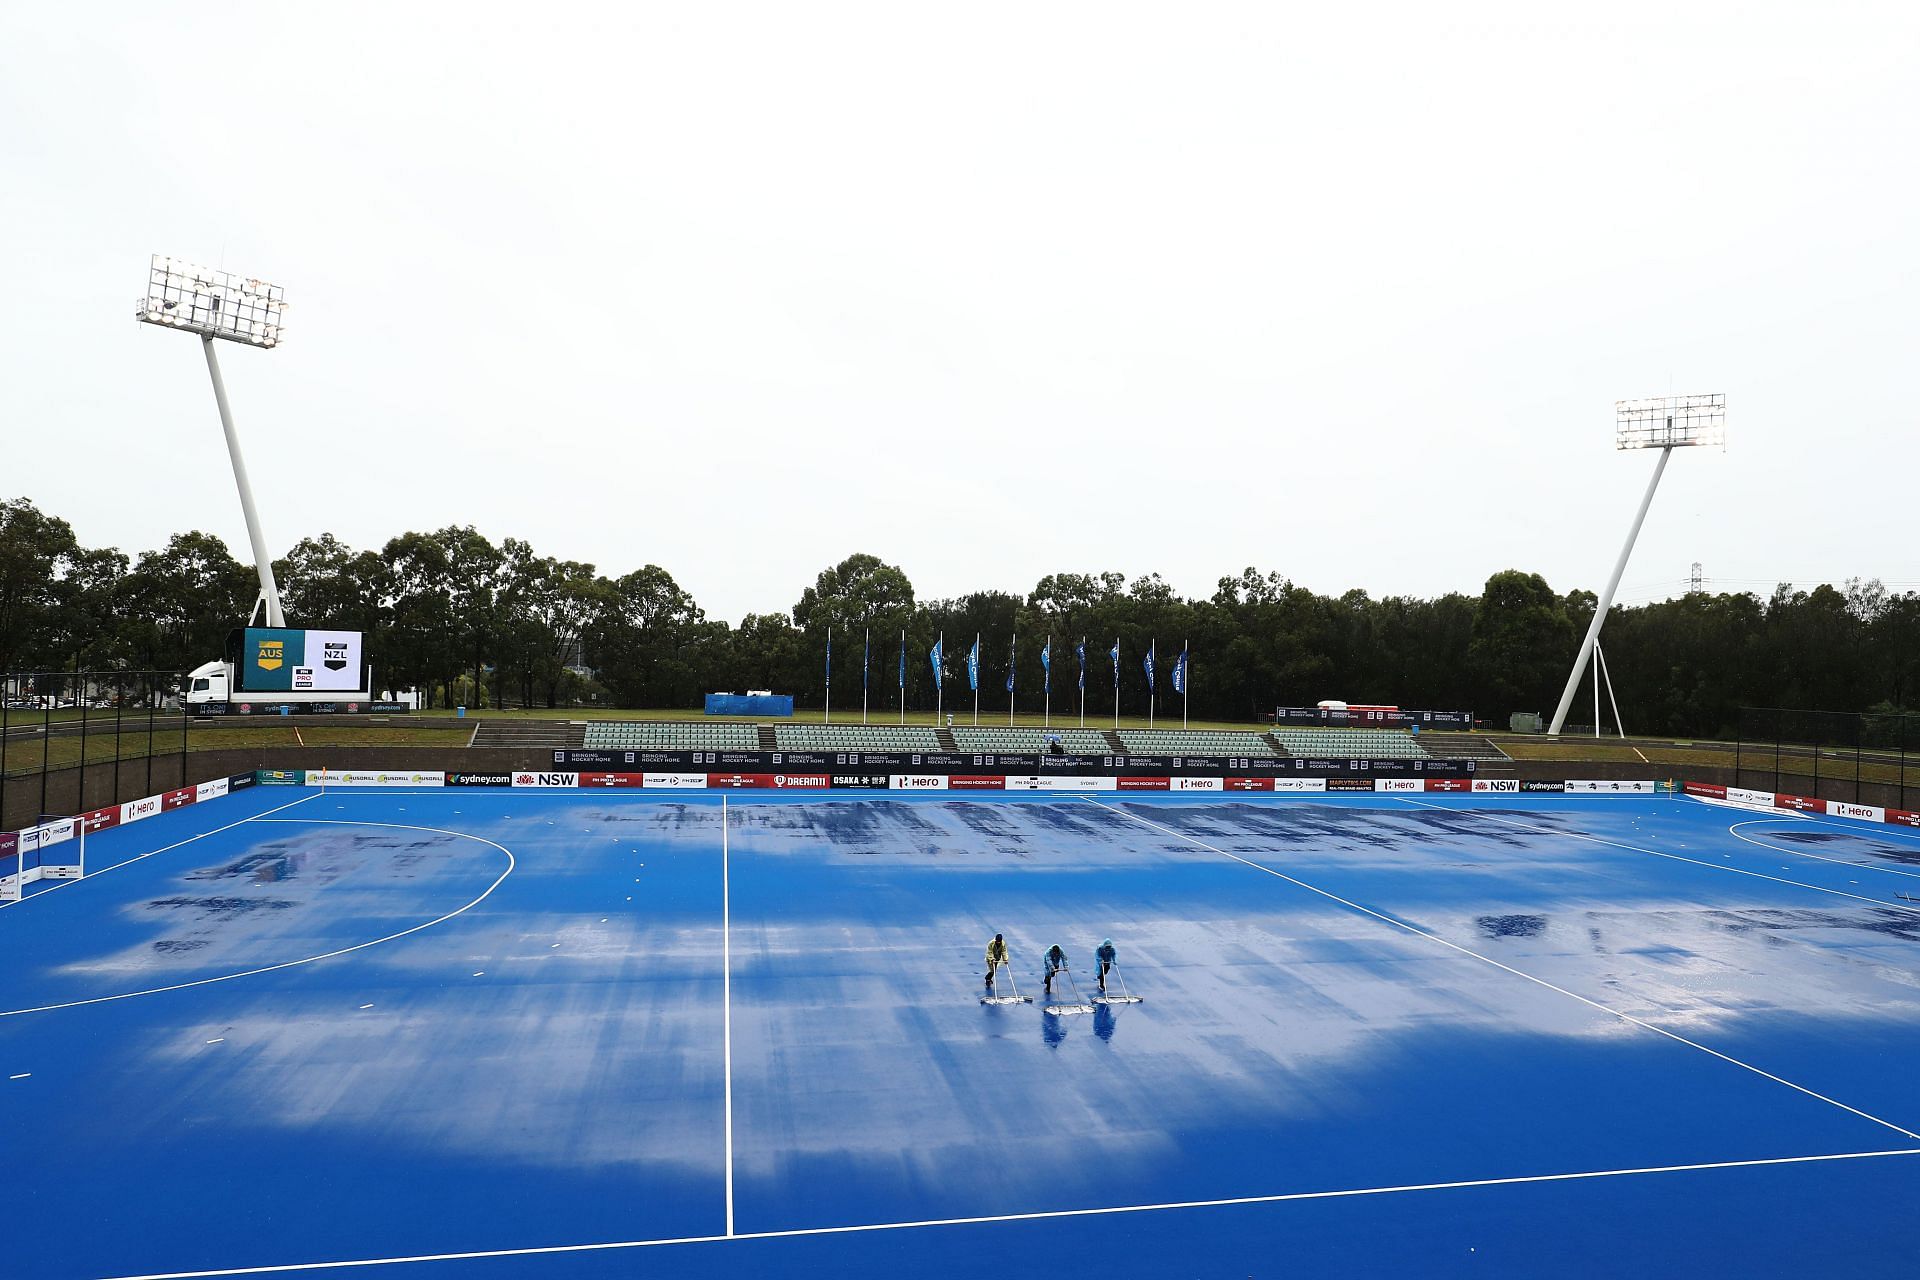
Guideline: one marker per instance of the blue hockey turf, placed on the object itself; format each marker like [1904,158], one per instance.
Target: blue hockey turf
[620,1034]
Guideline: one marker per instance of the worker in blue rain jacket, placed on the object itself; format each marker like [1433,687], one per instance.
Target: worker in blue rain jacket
[996,956]
[1056,963]
[1105,954]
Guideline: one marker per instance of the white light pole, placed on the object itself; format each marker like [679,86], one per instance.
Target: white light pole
[215,304]
[1665,423]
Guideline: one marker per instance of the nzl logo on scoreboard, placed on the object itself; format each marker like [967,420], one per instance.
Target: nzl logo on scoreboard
[333,655]
[272,654]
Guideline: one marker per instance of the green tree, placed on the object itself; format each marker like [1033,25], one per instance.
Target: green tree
[1521,638]
[34,548]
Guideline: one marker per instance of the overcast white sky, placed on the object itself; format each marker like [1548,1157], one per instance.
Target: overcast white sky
[991,291]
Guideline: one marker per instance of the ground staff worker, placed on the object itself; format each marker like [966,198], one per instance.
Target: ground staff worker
[1056,963]
[1105,954]
[996,956]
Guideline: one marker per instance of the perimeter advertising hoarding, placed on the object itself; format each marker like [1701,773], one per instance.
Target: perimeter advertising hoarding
[255,707]
[675,781]
[288,660]
[1363,717]
[374,778]
[933,762]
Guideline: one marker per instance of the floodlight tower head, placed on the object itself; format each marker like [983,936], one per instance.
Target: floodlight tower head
[213,304]
[1670,422]
[217,304]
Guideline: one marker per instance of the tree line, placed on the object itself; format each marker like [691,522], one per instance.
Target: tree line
[468,621]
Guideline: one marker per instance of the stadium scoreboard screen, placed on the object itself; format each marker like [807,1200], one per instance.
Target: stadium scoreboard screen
[284,660]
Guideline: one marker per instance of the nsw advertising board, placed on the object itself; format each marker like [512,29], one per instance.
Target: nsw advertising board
[530,779]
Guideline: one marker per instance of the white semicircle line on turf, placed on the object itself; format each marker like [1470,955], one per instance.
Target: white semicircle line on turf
[328,955]
[1734,831]
[1659,853]
[1042,1215]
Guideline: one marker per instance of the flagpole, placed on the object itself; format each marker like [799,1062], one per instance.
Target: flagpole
[1046,679]
[903,675]
[973,677]
[827,714]
[1150,683]
[1013,646]
[866,645]
[1116,682]
[939,685]
[1186,680]
[1083,682]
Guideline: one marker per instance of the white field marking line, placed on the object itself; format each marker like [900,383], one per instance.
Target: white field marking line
[1657,853]
[1734,831]
[258,817]
[1285,1197]
[289,964]
[1749,808]
[1518,973]
[726,991]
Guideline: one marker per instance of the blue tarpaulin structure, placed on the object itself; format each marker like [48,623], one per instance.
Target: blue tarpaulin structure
[741,704]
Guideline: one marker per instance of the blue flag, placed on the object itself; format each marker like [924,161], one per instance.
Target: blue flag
[1115,655]
[866,648]
[973,665]
[1010,652]
[1080,651]
[1046,666]
[934,655]
[1180,672]
[829,655]
[903,666]
[1148,665]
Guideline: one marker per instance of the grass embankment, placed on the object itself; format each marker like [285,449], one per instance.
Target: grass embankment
[63,751]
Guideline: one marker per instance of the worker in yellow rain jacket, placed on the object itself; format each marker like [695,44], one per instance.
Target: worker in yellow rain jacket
[996,956]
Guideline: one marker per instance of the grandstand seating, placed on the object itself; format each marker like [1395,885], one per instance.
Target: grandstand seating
[610,736]
[856,737]
[1357,744]
[1080,742]
[1184,742]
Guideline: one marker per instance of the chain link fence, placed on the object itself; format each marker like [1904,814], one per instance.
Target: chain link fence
[71,741]
[1854,756]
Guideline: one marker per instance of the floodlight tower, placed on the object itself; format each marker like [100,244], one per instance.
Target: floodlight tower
[215,304]
[1665,423]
